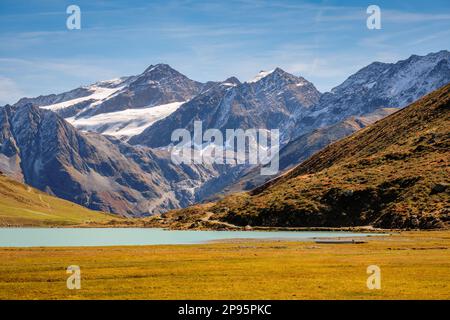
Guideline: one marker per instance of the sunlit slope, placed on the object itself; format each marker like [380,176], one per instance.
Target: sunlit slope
[393,174]
[21,205]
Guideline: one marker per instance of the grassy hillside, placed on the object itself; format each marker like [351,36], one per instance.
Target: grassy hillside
[21,205]
[393,174]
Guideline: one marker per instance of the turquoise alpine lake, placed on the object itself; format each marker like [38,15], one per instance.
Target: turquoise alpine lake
[80,237]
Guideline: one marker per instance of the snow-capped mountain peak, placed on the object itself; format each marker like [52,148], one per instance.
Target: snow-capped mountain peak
[231,82]
[160,67]
[159,72]
[109,106]
[99,92]
[381,85]
[113,83]
[260,75]
[276,79]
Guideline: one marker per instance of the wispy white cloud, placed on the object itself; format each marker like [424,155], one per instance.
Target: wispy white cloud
[395,16]
[67,67]
[430,37]
[33,77]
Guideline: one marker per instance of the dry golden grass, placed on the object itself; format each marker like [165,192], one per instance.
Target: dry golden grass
[414,265]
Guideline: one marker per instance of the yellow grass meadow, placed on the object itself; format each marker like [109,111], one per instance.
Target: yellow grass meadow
[414,265]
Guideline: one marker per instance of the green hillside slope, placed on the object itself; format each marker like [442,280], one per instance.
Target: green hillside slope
[21,205]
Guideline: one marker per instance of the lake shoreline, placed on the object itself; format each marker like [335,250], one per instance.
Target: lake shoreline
[362,229]
[196,220]
[143,225]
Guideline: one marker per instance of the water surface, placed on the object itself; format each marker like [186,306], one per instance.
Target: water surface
[78,237]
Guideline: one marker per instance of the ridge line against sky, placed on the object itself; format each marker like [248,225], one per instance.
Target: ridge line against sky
[323,41]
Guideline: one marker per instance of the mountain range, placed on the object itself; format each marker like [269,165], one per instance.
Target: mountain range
[364,98]
[272,101]
[106,146]
[393,174]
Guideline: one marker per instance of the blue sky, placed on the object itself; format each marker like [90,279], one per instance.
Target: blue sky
[323,41]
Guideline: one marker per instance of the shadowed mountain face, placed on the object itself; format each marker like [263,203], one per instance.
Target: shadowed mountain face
[272,101]
[93,170]
[21,205]
[393,174]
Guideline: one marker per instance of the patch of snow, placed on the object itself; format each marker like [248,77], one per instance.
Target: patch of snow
[229,84]
[115,81]
[370,85]
[319,112]
[125,123]
[151,69]
[98,94]
[260,75]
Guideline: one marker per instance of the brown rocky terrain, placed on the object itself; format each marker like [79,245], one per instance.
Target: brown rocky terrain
[393,174]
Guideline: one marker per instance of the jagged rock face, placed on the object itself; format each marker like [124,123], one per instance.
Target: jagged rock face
[56,98]
[202,107]
[157,85]
[93,170]
[9,152]
[80,96]
[379,85]
[376,87]
[271,102]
